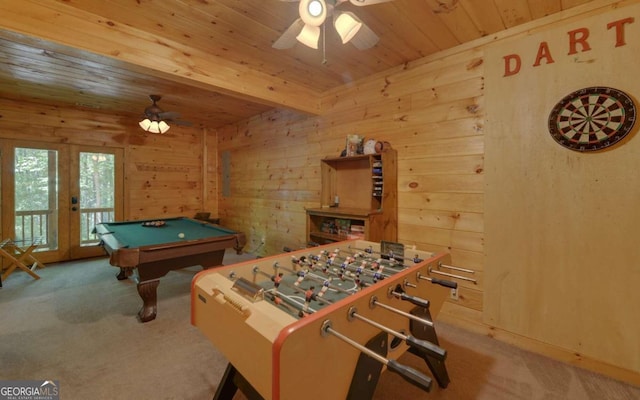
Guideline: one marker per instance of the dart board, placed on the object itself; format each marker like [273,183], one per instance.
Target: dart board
[592,118]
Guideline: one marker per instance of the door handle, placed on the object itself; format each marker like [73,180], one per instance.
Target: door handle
[74,208]
[74,200]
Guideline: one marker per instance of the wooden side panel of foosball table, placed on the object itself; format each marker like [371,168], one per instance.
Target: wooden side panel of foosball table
[309,363]
[243,331]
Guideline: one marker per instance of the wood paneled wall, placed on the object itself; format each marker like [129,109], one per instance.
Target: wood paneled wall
[561,225]
[431,113]
[434,112]
[164,174]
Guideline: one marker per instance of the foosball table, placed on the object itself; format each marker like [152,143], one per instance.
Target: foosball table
[323,322]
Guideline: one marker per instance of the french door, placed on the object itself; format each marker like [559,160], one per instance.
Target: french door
[55,194]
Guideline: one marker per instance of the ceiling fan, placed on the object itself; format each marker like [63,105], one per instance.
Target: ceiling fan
[155,119]
[314,13]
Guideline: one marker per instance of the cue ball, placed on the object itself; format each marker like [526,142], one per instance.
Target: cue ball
[181,235]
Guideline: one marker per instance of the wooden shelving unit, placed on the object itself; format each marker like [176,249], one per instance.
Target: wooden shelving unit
[358,199]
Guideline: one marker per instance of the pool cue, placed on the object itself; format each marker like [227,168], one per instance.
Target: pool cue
[374,302]
[420,345]
[411,375]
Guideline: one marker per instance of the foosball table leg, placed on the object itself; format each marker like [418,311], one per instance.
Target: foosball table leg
[231,381]
[367,372]
[426,332]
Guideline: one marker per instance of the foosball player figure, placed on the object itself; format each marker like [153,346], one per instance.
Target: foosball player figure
[325,268]
[308,296]
[325,287]
[277,279]
[357,281]
[301,275]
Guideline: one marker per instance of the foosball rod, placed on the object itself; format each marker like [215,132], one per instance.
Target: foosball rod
[321,280]
[415,260]
[257,270]
[469,271]
[464,278]
[421,345]
[356,260]
[409,374]
[374,302]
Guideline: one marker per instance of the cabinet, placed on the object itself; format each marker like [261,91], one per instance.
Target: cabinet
[358,199]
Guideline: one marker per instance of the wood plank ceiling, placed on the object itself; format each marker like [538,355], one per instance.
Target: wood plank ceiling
[86,57]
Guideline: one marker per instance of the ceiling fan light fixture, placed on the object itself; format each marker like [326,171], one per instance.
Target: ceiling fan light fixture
[313,12]
[145,124]
[153,128]
[309,36]
[163,126]
[347,25]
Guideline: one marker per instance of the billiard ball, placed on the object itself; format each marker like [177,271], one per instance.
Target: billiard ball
[181,235]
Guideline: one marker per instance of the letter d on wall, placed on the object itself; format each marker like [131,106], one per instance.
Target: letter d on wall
[512,64]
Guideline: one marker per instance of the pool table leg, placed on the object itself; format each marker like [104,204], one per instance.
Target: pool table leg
[148,292]
[124,273]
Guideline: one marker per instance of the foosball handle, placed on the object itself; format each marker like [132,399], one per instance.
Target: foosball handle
[427,347]
[414,300]
[445,283]
[410,375]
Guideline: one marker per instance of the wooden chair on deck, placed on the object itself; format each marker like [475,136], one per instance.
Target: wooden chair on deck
[20,256]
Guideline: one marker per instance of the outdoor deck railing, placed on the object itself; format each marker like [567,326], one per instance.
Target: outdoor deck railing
[42,224]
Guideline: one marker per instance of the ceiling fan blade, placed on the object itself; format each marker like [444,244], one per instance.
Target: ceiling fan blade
[288,38]
[168,115]
[365,38]
[182,123]
[367,2]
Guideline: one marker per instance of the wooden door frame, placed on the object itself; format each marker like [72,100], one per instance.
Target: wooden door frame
[75,250]
[7,147]
[67,162]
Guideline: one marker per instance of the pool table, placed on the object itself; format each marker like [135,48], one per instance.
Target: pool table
[152,251]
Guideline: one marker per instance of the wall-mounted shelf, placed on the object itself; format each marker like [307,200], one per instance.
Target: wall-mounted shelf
[358,199]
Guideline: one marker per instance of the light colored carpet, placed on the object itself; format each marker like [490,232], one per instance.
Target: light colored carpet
[78,325]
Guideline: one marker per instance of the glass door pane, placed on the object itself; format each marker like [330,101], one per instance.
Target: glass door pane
[97,193]
[36,196]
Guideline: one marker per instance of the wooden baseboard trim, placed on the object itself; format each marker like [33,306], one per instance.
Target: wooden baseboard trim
[471,320]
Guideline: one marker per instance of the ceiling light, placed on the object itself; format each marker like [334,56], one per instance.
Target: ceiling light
[145,124]
[315,8]
[313,12]
[309,36]
[154,126]
[163,126]
[347,25]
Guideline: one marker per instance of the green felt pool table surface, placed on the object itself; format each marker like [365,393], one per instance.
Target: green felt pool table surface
[135,234]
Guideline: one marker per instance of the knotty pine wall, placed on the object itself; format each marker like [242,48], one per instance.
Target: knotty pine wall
[432,113]
[435,114]
[164,175]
